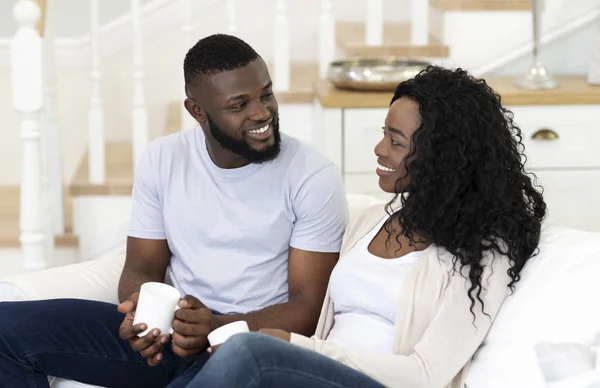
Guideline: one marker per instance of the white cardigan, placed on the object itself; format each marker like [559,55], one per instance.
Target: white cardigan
[435,333]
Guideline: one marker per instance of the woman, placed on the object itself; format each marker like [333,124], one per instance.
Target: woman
[419,281]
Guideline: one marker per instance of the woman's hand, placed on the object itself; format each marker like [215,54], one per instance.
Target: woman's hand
[277,333]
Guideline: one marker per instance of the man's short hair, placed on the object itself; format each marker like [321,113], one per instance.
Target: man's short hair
[214,54]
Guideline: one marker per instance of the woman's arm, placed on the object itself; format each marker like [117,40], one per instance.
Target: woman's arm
[446,346]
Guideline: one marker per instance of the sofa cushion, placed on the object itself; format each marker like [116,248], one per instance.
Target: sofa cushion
[555,306]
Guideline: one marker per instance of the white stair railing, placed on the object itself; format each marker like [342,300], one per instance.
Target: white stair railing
[374,22]
[187,30]
[419,22]
[48,130]
[27,97]
[326,37]
[281,43]
[53,137]
[232,27]
[140,116]
[96,146]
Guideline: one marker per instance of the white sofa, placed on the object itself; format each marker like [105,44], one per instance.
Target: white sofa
[555,308]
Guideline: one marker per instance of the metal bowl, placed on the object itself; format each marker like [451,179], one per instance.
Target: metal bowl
[373,74]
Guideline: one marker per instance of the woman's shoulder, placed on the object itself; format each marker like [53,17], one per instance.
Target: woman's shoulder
[376,210]
[367,217]
[361,222]
[495,267]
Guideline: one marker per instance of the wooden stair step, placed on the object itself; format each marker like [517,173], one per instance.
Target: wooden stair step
[481,5]
[396,42]
[12,240]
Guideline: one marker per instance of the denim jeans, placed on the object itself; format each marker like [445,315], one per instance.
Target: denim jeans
[79,340]
[256,360]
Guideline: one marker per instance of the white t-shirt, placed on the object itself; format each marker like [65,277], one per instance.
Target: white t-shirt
[229,230]
[364,290]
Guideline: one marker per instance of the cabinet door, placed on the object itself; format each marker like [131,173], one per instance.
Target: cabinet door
[573,198]
[560,136]
[362,132]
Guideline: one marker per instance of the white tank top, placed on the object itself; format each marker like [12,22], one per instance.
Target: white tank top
[365,289]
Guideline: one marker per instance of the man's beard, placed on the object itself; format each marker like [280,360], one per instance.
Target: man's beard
[241,146]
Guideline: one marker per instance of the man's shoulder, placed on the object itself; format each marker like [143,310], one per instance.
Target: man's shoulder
[168,146]
[302,158]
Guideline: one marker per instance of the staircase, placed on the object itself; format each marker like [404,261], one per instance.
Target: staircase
[351,41]
[481,5]
[396,43]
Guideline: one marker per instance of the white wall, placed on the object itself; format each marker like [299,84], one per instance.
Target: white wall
[569,55]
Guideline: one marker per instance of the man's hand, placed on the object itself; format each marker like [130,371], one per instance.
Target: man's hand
[151,345]
[277,333]
[192,323]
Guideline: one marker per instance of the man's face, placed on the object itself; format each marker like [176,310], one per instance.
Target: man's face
[241,111]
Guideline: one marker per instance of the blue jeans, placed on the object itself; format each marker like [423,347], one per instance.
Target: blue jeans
[256,360]
[79,340]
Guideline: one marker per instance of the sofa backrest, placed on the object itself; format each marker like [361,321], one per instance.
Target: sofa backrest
[542,328]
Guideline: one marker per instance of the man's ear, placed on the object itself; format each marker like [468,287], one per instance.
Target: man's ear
[195,110]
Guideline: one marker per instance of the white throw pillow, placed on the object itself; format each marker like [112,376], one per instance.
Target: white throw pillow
[557,301]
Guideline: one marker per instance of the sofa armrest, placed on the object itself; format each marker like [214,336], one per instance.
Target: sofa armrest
[94,280]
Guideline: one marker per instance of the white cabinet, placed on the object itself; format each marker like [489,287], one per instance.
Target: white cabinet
[560,136]
[562,145]
[572,197]
[362,132]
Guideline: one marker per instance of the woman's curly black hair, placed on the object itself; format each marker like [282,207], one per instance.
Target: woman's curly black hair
[468,190]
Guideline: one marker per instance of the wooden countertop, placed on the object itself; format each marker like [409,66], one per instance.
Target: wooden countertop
[571,90]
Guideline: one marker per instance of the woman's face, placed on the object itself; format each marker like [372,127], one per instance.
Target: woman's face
[401,122]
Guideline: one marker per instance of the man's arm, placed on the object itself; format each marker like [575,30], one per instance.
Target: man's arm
[147,256]
[308,276]
[145,261]
[148,253]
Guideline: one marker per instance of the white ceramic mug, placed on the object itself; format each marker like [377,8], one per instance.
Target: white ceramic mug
[222,334]
[156,307]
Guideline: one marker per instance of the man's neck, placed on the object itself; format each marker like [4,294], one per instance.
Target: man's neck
[224,158]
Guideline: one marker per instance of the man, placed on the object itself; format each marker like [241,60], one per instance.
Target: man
[242,220]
